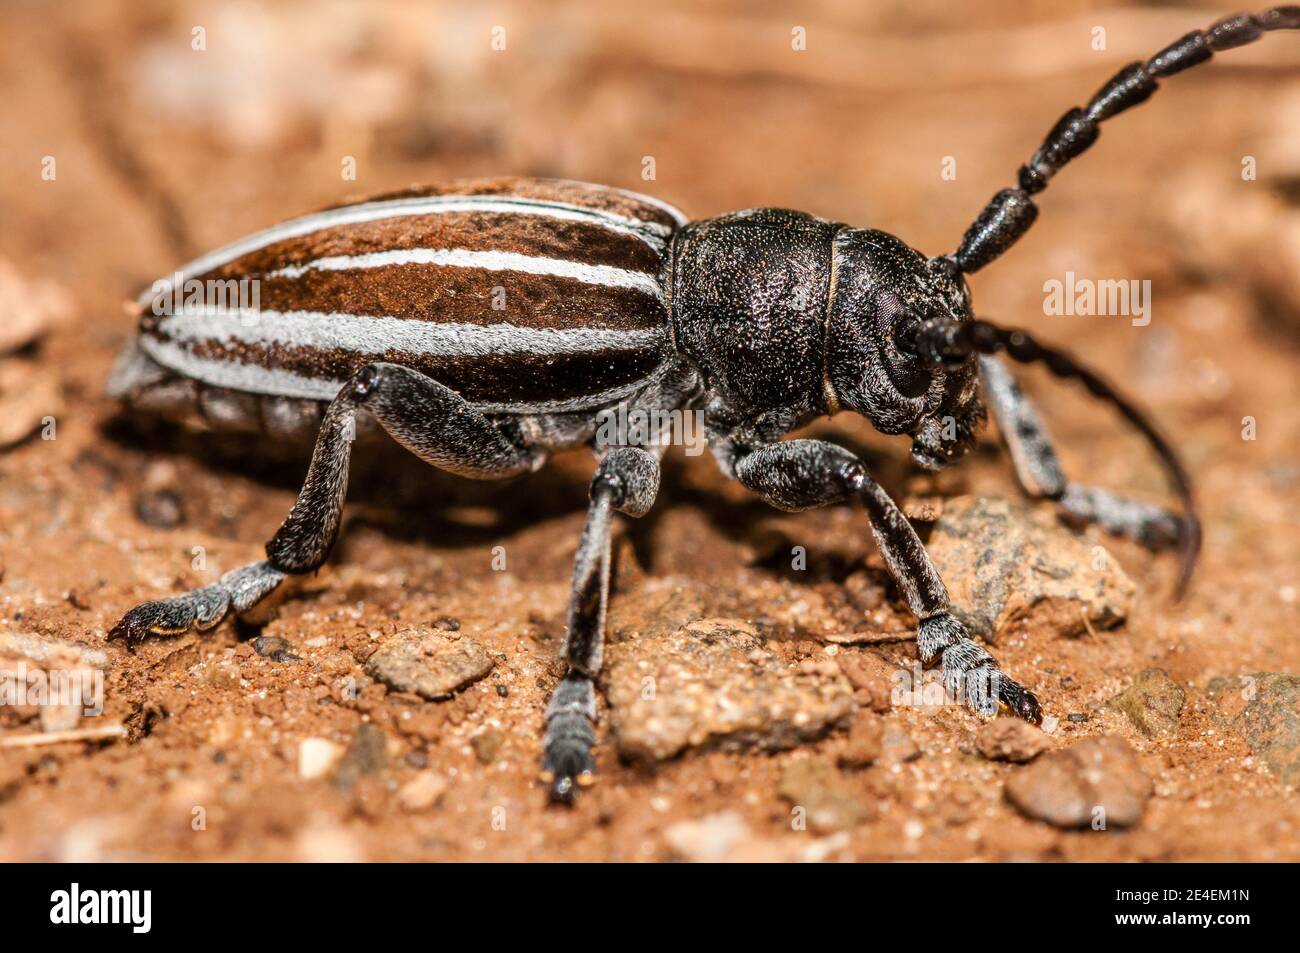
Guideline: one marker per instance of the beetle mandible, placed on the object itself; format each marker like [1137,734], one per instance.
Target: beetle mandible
[763,319]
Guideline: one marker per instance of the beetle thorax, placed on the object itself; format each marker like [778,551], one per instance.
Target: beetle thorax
[749,308]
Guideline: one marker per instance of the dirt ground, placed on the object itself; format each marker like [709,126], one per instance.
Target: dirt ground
[127,151]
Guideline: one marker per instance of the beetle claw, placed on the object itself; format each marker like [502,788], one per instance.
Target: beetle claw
[165,617]
[1021,701]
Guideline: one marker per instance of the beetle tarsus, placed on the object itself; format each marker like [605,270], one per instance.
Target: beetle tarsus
[1022,702]
[200,609]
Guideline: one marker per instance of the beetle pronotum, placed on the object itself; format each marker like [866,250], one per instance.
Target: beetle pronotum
[763,319]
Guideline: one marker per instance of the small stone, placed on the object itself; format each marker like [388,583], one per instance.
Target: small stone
[160,508]
[29,308]
[1152,703]
[370,796]
[712,685]
[864,744]
[425,723]
[225,674]
[1095,782]
[1010,567]
[30,398]
[817,788]
[366,757]
[708,840]
[1231,695]
[432,664]
[1010,739]
[275,648]
[1270,722]
[316,756]
[487,744]
[422,791]
[682,606]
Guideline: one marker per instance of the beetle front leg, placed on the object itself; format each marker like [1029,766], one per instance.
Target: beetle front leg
[627,480]
[802,474]
[427,418]
[1040,474]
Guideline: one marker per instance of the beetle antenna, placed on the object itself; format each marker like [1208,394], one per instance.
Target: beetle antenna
[944,341]
[1010,213]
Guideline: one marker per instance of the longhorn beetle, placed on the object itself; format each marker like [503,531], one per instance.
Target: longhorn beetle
[489,322]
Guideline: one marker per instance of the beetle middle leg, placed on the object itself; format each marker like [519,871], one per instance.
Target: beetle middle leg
[802,474]
[627,480]
[1039,471]
[426,417]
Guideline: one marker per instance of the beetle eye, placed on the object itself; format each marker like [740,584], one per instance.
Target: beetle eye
[935,340]
[906,333]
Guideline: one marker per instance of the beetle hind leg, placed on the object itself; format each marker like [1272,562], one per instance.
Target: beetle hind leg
[427,418]
[627,480]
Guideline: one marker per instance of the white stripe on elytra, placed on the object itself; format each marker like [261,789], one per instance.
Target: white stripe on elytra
[277,382]
[487,260]
[362,334]
[652,233]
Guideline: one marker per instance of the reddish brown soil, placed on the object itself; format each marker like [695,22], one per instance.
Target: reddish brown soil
[163,151]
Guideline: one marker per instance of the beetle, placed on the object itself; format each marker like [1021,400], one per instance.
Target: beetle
[486,323]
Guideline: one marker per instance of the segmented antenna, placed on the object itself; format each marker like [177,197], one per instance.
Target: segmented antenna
[1010,213]
[944,341]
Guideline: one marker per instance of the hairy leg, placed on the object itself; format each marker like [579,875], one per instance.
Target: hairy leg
[427,418]
[801,474]
[627,480]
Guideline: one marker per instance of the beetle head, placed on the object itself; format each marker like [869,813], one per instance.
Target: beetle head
[879,287]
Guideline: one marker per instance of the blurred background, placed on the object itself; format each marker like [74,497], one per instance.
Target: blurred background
[137,134]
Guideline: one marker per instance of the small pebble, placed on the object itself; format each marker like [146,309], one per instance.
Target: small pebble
[1152,703]
[487,744]
[275,648]
[160,508]
[30,395]
[431,664]
[1010,739]
[710,839]
[422,791]
[316,756]
[366,757]
[1097,782]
